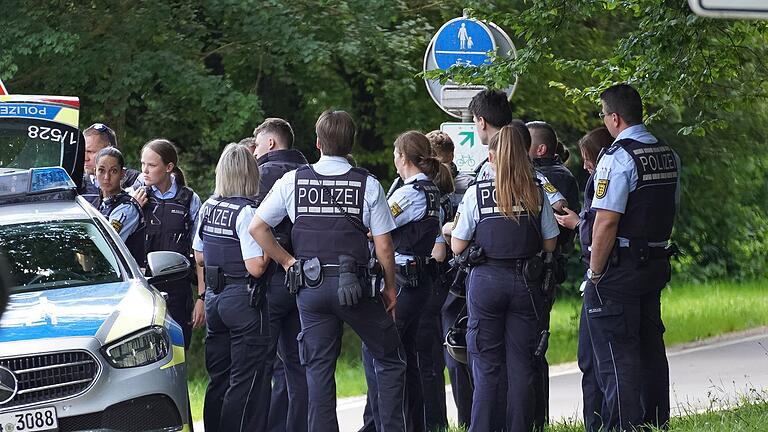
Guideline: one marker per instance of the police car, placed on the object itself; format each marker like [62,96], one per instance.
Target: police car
[86,343]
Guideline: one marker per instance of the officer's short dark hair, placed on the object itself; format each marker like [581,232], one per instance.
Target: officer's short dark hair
[104,132]
[493,106]
[278,127]
[336,133]
[543,133]
[625,101]
[113,152]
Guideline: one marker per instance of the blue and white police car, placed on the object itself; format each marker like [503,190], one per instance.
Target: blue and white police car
[86,343]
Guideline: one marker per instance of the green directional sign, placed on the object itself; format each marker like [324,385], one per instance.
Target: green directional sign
[467,137]
[468,152]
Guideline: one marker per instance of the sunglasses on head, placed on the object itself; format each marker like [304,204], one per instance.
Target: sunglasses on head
[105,130]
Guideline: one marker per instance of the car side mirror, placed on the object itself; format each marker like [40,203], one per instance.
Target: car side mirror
[166,266]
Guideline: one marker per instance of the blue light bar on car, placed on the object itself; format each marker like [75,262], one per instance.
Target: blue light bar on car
[53,178]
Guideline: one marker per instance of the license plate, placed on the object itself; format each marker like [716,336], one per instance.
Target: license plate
[33,420]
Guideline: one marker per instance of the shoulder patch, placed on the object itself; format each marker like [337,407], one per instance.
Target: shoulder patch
[549,188]
[602,188]
[456,220]
[395,209]
[117,225]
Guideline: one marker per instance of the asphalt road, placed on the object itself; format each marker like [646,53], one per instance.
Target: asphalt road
[711,373]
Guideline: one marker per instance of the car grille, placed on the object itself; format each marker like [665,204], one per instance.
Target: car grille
[50,377]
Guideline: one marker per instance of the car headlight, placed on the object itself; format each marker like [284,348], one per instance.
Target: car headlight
[139,349]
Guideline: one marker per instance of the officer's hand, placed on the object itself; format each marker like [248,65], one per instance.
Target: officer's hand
[390,300]
[569,220]
[198,314]
[140,195]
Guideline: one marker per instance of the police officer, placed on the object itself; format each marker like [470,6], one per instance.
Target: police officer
[333,205]
[237,340]
[490,111]
[170,212]
[636,187]
[415,206]
[454,304]
[272,145]
[544,144]
[511,221]
[98,136]
[122,211]
[590,146]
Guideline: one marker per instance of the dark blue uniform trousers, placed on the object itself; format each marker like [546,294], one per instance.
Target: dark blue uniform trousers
[459,373]
[288,410]
[502,326]
[592,396]
[236,347]
[320,345]
[624,320]
[179,304]
[429,352]
[410,306]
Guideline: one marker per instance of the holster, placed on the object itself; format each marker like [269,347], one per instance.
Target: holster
[376,273]
[214,278]
[294,277]
[257,290]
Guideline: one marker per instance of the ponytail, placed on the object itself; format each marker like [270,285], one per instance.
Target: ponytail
[444,180]
[178,174]
[515,182]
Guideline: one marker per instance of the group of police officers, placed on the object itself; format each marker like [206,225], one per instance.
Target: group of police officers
[286,252]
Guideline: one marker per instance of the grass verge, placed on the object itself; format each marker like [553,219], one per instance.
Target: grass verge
[691,312]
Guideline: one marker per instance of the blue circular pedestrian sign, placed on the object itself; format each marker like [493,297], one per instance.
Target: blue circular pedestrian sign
[464,42]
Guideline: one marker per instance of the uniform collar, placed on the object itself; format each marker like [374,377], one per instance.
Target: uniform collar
[416,177]
[547,161]
[333,159]
[283,155]
[171,190]
[636,132]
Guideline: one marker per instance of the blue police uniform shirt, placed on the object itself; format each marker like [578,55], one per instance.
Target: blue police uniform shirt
[406,205]
[553,195]
[124,219]
[248,246]
[617,171]
[280,201]
[194,205]
[468,215]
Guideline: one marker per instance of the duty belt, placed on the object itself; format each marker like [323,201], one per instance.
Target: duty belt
[514,263]
[333,270]
[654,252]
[229,280]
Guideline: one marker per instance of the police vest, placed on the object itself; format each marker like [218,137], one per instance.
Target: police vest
[446,205]
[324,207]
[218,231]
[169,222]
[650,210]
[562,179]
[135,241]
[504,238]
[90,191]
[272,166]
[417,237]
[587,220]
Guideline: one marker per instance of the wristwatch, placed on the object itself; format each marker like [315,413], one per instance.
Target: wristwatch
[201,296]
[592,275]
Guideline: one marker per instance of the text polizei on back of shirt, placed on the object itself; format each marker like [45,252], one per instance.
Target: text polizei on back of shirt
[248,246]
[281,202]
[406,204]
[486,172]
[468,215]
[616,175]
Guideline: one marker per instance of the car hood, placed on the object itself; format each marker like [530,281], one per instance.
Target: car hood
[107,312]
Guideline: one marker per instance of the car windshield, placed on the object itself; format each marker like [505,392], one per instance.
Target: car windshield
[55,254]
